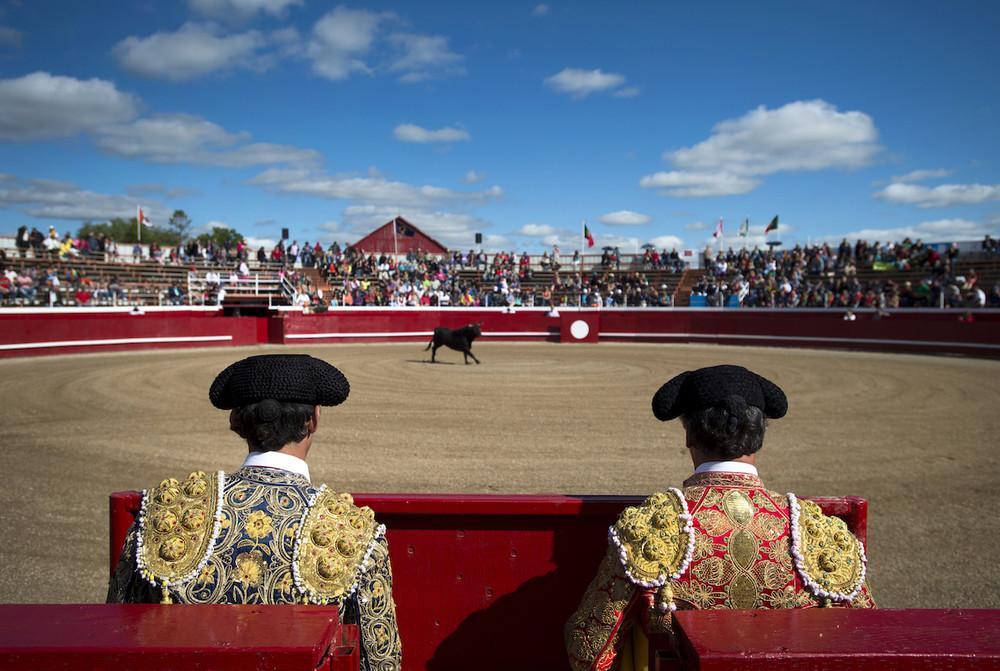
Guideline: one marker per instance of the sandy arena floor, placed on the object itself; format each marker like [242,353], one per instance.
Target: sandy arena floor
[917,436]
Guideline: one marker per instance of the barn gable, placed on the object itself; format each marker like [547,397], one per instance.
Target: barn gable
[408,238]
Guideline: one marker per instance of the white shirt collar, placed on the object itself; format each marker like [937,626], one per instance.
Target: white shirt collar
[726,466]
[279,460]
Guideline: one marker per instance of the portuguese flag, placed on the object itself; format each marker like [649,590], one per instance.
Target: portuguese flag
[587,234]
[773,226]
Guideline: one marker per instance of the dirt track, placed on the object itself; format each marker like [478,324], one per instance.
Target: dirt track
[917,436]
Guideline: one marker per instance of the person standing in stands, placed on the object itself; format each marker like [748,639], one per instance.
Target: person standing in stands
[724,541]
[265,534]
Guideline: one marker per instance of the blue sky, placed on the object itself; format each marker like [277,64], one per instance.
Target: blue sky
[651,120]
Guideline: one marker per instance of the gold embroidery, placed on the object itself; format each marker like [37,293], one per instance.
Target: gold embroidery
[743,591]
[742,549]
[714,522]
[589,629]
[377,612]
[335,537]
[653,537]
[714,571]
[768,527]
[249,568]
[738,507]
[772,575]
[177,535]
[831,555]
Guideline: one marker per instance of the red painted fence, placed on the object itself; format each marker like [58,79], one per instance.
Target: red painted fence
[975,333]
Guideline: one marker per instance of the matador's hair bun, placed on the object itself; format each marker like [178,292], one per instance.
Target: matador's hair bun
[291,378]
[729,386]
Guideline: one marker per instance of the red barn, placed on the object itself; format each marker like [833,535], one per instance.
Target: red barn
[407,238]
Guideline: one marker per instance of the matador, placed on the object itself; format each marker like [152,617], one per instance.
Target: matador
[722,541]
[265,534]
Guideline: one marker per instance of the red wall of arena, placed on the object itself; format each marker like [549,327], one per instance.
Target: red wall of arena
[75,332]
[916,331]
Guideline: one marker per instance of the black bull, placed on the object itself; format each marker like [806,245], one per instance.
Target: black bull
[457,339]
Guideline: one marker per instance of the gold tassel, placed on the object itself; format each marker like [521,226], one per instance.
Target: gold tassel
[165,592]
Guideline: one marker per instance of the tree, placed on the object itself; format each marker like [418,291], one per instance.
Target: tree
[125,231]
[221,236]
[180,224]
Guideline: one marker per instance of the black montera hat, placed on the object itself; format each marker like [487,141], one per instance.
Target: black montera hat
[292,378]
[697,389]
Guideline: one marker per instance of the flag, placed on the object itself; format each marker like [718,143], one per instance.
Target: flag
[745,228]
[718,230]
[587,234]
[142,218]
[773,226]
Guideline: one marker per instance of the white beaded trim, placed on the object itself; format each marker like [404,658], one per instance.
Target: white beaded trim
[660,580]
[216,528]
[812,585]
[309,594]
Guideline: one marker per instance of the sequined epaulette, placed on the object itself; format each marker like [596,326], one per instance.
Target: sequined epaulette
[828,558]
[655,541]
[334,546]
[178,525]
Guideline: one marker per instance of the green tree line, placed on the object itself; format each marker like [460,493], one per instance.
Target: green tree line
[174,232]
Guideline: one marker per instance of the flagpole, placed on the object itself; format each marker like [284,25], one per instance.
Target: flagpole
[138,224]
[395,246]
[583,227]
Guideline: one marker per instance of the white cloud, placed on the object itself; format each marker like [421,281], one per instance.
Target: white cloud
[557,240]
[944,195]
[800,136]
[696,226]
[41,105]
[685,184]
[209,225]
[627,92]
[536,230]
[627,244]
[940,230]
[182,138]
[370,190]
[625,218]
[473,177]
[409,132]
[424,57]
[495,243]
[921,175]
[9,37]
[194,50]
[242,9]
[541,10]
[50,199]
[341,38]
[582,83]
[667,242]
[255,243]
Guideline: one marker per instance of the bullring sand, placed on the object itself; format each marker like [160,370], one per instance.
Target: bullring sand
[917,436]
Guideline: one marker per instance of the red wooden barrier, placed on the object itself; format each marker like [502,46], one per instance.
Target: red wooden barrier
[836,639]
[469,566]
[154,637]
[77,332]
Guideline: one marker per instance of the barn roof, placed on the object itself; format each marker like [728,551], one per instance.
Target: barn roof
[408,238]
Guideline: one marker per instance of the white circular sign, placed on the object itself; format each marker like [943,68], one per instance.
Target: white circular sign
[579,329]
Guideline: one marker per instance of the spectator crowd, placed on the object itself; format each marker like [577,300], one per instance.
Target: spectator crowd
[812,276]
[821,276]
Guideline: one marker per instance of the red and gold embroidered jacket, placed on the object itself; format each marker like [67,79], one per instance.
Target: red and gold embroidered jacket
[724,542]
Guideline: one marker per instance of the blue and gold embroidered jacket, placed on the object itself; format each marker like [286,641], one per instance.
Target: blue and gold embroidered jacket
[262,536]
